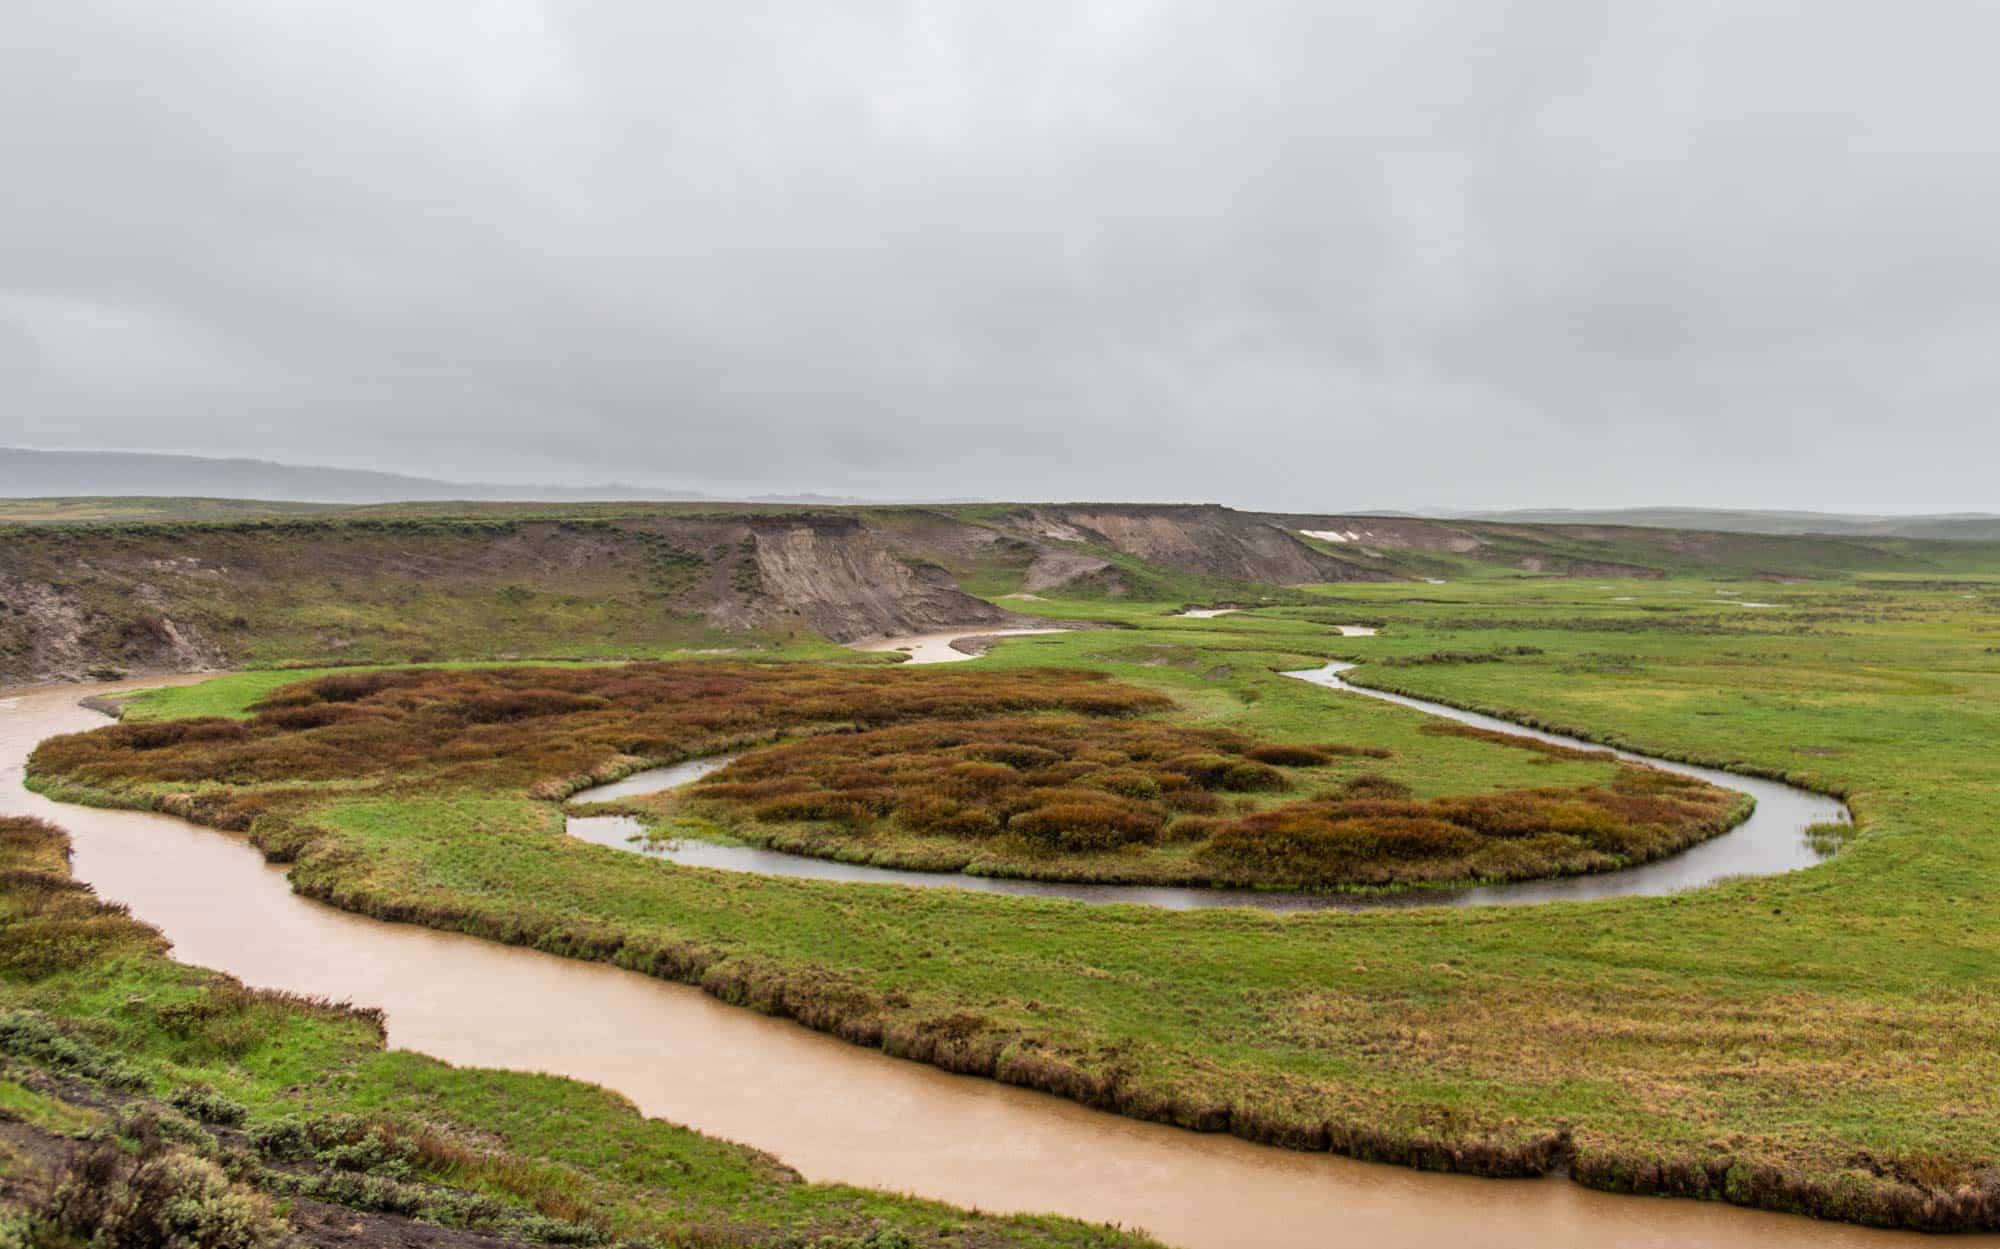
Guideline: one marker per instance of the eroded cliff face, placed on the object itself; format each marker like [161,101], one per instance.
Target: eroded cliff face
[1207,541]
[48,633]
[91,600]
[838,580]
[175,597]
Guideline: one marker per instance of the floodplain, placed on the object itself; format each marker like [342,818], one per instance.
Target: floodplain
[1683,1044]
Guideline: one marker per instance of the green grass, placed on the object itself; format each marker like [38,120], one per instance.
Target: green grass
[20,1104]
[126,509]
[1818,1041]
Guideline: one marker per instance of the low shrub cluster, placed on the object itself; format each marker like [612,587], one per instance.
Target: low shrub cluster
[205,1105]
[1370,832]
[381,1166]
[154,1179]
[1059,782]
[1069,785]
[165,1198]
[516,727]
[34,1037]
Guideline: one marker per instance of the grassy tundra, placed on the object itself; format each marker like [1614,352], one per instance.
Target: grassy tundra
[1820,1042]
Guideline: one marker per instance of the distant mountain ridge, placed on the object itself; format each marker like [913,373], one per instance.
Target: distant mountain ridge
[37,474]
[31,474]
[1954,526]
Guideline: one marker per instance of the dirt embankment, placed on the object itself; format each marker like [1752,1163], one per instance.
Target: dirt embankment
[103,600]
[47,632]
[837,579]
[1205,540]
[79,601]
[82,599]
[1053,570]
[1095,546]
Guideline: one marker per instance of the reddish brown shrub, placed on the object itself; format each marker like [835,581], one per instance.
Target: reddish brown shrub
[1371,832]
[1086,825]
[1246,777]
[1059,782]
[1191,800]
[519,726]
[1342,749]
[1190,828]
[520,704]
[1289,756]
[1020,756]
[1128,781]
[1213,770]
[948,817]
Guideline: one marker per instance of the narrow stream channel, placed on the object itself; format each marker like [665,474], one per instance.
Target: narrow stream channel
[834,1111]
[937,648]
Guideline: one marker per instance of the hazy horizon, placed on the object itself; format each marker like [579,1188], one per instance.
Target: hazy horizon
[12,487]
[1282,257]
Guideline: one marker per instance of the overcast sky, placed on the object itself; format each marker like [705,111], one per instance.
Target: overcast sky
[1309,256]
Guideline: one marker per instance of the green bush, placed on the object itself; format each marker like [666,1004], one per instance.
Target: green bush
[168,1200]
[208,1106]
[33,1036]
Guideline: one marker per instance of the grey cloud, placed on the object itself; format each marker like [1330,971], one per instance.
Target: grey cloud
[1314,255]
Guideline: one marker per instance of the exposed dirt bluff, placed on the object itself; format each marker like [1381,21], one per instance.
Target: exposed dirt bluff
[177,598]
[1206,541]
[1112,548]
[498,580]
[83,599]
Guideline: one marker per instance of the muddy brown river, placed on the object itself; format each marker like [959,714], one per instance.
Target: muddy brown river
[834,1111]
